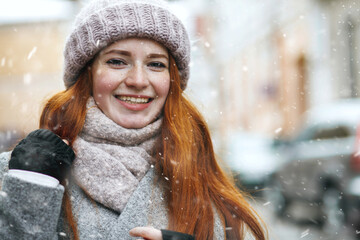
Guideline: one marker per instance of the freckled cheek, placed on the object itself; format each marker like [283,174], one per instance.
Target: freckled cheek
[161,84]
[105,84]
[165,86]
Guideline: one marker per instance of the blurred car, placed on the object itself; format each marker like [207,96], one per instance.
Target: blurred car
[353,206]
[251,159]
[311,185]
[352,194]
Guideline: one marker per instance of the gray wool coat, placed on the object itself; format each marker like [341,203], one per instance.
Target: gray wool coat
[33,211]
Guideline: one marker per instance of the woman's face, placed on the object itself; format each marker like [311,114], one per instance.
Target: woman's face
[131,81]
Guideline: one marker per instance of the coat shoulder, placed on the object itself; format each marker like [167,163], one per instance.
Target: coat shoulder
[4,164]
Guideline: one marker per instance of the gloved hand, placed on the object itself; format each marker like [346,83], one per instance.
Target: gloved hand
[44,152]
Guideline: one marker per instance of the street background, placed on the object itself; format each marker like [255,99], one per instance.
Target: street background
[258,68]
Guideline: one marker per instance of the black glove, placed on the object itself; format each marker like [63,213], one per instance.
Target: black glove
[172,235]
[44,152]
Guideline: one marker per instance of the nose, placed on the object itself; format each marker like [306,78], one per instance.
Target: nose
[137,78]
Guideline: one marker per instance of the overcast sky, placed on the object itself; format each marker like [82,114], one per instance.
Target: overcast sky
[17,11]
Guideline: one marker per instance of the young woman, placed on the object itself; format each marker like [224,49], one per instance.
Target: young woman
[134,157]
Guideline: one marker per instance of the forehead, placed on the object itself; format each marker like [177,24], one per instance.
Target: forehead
[147,46]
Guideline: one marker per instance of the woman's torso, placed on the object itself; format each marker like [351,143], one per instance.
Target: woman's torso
[146,207]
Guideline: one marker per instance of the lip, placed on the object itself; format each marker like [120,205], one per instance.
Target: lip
[134,106]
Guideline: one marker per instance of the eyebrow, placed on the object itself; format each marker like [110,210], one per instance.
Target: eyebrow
[128,54]
[158,55]
[117,51]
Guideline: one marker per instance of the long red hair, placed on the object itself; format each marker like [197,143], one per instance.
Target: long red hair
[196,185]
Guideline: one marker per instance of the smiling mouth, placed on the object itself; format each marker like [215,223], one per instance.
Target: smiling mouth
[133,100]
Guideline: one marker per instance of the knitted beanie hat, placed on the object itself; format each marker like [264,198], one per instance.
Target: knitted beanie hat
[103,22]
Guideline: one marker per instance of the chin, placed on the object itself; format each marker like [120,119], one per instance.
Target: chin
[133,124]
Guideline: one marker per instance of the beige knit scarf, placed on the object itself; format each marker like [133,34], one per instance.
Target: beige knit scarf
[111,160]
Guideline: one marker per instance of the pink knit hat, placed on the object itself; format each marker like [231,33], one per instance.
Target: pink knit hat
[103,22]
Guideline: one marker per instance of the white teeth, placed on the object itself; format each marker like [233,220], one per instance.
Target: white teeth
[133,100]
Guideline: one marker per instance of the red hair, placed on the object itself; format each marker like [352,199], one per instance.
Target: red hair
[196,184]
[64,114]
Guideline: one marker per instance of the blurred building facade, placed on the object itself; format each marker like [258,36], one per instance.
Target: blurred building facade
[270,61]
[32,36]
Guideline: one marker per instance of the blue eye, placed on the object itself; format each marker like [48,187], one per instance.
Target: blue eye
[157,65]
[116,62]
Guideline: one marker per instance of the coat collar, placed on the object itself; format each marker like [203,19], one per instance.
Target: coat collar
[146,207]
